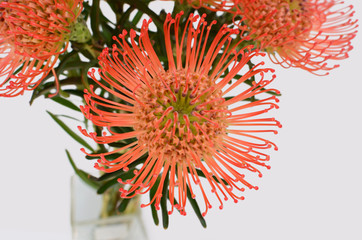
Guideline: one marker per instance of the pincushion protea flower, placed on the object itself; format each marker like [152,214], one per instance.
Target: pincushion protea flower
[33,35]
[303,33]
[180,116]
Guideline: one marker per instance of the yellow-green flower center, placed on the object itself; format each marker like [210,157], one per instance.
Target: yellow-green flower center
[180,113]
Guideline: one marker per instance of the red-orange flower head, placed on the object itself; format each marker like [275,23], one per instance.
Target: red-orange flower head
[33,34]
[180,116]
[301,33]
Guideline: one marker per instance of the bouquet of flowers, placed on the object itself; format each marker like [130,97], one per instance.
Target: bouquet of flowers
[178,103]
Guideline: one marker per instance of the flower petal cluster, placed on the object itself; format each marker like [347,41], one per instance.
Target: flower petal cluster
[184,125]
[300,33]
[32,36]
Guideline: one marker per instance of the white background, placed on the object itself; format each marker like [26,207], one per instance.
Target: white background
[313,190]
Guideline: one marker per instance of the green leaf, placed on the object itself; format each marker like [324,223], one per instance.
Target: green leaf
[228,98]
[68,57]
[66,60]
[107,32]
[66,116]
[65,103]
[70,132]
[137,18]
[121,22]
[153,208]
[75,92]
[87,178]
[120,172]
[125,175]
[121,129]
[109,157]
[107,185]
[196,208]
[123,205]
[164,202]
[117,144]
[45,88]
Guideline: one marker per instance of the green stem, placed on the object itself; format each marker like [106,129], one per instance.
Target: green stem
[145,9]
[95,19]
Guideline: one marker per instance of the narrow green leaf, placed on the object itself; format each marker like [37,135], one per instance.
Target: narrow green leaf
[87,178]
[107,32]
[109,157]
[43,89]
[121,129]
[123,205]
[107,185]
[137,18]
[66,103]
[196,208]
[117,144]
[70,57]
[154,215]
[228,98]
[164,202]
[124,17]
[125,175]
[91,157]
[66,60]
[153,208]
[70,132]
[66,116]
[75,92]
[120,172]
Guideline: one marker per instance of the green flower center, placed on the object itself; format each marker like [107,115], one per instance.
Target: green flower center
[180,112]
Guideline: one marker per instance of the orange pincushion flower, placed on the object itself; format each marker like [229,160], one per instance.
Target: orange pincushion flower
[303,33]
[33,34]
[180,117]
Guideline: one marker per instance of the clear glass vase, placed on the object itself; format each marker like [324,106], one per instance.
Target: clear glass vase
[86,206]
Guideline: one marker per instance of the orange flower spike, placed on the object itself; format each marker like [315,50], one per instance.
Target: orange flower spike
[179,116]
[301,33]
[33,35]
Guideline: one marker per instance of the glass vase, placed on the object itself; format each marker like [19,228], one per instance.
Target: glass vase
[87,223]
